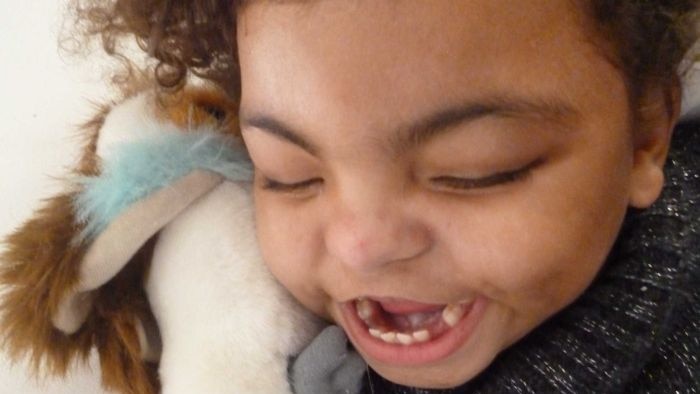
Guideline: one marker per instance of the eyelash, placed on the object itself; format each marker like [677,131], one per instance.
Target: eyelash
[450,182]
[497,179]
[275,186]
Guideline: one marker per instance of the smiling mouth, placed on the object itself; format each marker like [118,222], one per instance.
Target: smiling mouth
[407,323]
[405,332]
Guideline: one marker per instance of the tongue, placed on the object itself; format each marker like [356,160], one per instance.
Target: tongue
[396,315]
[415,321]
[409,316]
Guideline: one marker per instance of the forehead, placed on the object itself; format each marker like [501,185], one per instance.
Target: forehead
[373,64]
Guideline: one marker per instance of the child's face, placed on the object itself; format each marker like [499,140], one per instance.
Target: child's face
[470,153]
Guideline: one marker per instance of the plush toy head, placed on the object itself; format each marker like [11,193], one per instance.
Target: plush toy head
[150,257]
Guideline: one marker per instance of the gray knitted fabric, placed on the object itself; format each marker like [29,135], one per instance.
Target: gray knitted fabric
[637,328]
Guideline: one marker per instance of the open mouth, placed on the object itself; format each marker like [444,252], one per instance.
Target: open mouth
[406,324]
[406,332]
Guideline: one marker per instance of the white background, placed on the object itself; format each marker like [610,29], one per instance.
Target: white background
[43,96]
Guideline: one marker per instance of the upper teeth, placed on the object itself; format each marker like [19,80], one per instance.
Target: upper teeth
[452,314]
[364,308]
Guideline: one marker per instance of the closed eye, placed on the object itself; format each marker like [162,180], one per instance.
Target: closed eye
[501,178]
[450,182]
[277,186]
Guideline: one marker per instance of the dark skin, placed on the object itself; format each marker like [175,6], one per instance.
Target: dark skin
[480,165]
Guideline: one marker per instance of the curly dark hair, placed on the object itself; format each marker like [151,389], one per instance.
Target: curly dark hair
[194,37]
[647,39]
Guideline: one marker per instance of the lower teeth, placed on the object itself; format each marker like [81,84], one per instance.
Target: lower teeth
[421,336]
[401,338]
[404,339]
[368,312]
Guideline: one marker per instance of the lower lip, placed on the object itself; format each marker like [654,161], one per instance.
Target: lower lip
[415,354]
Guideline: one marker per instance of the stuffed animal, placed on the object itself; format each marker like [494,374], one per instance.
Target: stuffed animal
[150,257]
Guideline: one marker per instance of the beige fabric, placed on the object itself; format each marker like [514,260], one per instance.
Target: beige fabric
[114,247]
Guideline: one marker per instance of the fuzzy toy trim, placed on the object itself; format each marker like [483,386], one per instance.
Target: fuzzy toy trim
[139,168]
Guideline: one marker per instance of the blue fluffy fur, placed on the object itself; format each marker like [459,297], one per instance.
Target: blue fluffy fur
[139,168]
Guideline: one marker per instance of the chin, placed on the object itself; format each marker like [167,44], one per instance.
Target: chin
[433,377]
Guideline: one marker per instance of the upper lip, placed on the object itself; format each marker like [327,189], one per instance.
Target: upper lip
[402,306]
[411,304]
[389,298]
[439,300]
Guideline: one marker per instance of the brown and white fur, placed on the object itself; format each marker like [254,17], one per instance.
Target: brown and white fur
[198,287]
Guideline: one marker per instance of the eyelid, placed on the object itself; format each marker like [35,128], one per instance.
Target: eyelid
[452,182]
[277,186]
[496,179]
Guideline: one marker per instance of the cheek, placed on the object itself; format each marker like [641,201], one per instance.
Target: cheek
[531,266]
[537,254]
[285,242]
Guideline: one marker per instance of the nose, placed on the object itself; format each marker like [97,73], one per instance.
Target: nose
[368,234]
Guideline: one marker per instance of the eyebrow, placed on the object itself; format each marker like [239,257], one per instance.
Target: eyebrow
[548,110]
[279,129]
[419,132]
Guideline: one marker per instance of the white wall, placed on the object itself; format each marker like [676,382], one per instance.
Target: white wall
[42,97]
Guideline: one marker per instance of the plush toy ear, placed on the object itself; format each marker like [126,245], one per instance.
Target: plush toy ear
[41,262]
[109,253]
